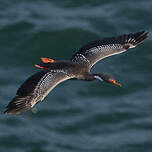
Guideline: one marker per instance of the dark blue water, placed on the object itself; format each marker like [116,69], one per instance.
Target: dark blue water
[76,116]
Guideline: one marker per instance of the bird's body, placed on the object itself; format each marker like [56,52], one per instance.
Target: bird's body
[68,67]
[35,89]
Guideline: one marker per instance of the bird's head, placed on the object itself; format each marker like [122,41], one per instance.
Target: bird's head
[107,78]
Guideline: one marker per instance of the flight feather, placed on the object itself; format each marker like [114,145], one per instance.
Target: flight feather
[99,49]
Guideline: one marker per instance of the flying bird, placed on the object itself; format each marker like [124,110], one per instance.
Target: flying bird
[37,87]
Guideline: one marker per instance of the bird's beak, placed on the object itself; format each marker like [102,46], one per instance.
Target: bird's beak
[115,83]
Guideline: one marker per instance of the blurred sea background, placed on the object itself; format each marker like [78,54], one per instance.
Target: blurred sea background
[76,116]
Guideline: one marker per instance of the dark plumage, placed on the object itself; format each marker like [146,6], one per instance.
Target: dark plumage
[34,89]
[99,49]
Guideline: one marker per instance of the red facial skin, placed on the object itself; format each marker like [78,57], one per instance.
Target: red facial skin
[114,82]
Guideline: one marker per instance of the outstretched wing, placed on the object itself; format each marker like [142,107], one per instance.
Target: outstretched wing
[34,90]
[99,49]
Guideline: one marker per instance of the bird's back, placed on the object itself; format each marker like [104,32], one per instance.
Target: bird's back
[68,67]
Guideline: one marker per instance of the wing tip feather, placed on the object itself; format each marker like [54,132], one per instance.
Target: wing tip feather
[137,38]
[17,105]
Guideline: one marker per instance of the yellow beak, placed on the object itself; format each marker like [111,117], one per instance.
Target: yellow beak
[115,83]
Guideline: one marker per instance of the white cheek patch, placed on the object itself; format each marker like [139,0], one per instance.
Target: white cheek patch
[99,78]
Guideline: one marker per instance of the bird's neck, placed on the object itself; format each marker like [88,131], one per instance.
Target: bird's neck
[88,77]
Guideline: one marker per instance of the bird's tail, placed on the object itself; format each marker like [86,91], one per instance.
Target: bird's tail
[133,39]
[18,105]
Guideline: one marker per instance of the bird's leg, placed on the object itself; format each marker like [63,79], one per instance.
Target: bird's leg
[41,67]
[47,60]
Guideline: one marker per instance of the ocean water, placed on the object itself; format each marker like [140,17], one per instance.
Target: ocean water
[76,116]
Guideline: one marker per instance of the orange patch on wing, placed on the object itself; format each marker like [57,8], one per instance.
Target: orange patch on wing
[38,66]
[47,60]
